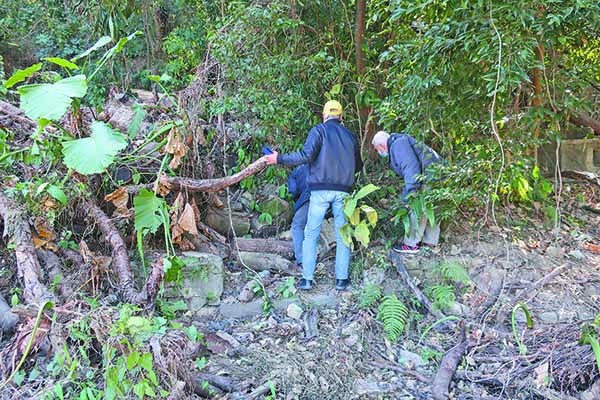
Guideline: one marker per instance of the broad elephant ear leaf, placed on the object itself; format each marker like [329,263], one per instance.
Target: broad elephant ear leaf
[148,211]
[51,101]
[92,155]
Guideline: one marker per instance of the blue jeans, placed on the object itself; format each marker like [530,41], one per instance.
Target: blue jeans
[298,224]
[320,200]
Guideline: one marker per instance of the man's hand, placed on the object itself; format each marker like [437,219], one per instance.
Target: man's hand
[271,158]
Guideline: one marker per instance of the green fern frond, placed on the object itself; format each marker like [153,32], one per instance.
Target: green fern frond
[443,296]
[454,272]
[369,296]
[394,314]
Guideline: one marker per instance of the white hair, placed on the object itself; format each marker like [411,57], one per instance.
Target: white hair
[380,137]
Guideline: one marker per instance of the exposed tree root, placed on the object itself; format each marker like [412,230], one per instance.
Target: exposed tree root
[120,258]
[29,270]
[448,365]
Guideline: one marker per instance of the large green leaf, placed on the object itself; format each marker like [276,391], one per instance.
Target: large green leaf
[365,191]
[147,209]
[103,41]
[21,74]
[371,214]
[362,233]
[61,62]
[349,206]
[94,154]
[346,233]
[51,101]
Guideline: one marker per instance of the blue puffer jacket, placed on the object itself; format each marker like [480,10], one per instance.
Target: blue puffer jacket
[332,154]
[297,186]
[409,159]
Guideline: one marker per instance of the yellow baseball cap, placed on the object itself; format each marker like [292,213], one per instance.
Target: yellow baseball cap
[332,107]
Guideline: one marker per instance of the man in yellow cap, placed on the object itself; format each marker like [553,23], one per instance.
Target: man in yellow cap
[333,157]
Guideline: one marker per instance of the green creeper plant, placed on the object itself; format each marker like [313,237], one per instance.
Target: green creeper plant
[521,306]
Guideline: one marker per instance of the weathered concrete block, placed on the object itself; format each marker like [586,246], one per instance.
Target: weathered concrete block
[574,155]
[202,282]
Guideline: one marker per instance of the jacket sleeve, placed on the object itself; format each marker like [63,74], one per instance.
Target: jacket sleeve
[309,152]
[405,163]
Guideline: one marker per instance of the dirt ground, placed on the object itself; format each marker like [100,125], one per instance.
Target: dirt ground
[325,346]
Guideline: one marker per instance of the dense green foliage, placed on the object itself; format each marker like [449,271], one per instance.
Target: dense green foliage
[484,83]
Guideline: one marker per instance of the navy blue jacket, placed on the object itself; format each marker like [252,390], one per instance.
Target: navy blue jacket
[297,186]
[409,159]
[332,154]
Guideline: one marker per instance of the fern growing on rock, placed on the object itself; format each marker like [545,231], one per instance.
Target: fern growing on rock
[394,314]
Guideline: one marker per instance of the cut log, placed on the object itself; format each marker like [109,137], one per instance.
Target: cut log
[28,266]
[265,262]
[584,175]
[397,261]
[283,248]
[581,119]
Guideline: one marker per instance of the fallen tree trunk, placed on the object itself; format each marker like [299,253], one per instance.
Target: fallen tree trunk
[120,259]
[283,248]
[14,118]
[581,119]
[584,175]
[448,365]
[202,185]
[28,266]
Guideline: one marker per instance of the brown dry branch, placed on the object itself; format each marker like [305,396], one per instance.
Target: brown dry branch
[203,185]
[448,365]
[529,292]
[120,260]
[16,227]
[396,260]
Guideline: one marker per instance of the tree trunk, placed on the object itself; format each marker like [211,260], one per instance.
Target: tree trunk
[536,76]
[361,7]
